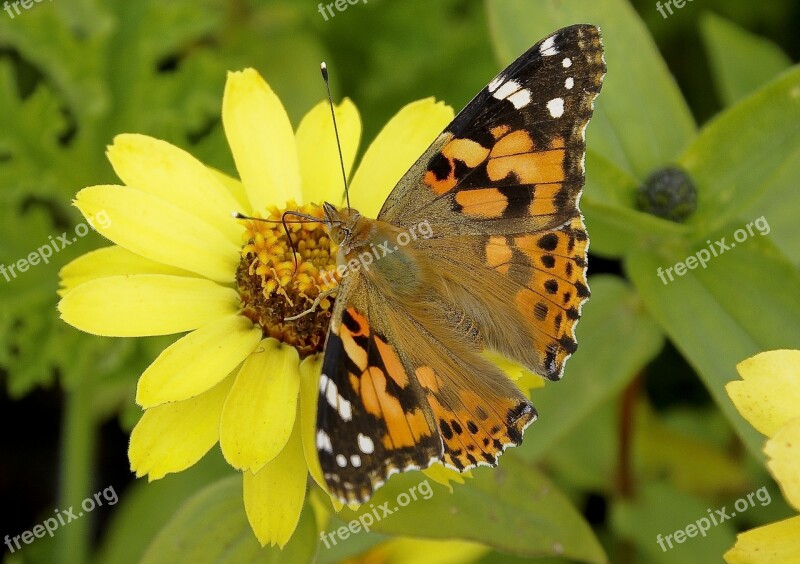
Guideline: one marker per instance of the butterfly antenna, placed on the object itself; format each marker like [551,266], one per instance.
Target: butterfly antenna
[291,242]
[324,68]
[282,221]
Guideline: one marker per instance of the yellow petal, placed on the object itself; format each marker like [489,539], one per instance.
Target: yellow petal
[778,542]
[320,168]
[399,144]
[260,411]
[172,437]
[442,475]
[236,189]
[412,551]
[198,361]
[273,498]
[163,170]
[783,450]
[309,391]
[110,261]
[146,304]
[522,377]
[310,370]
[261,140]
[160,231]
[769,394]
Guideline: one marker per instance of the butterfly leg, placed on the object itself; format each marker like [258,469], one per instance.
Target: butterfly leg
[313,308]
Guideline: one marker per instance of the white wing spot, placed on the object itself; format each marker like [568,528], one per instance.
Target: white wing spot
[567,62]
[506,90]
[355,460]
[497,81]
[345,409]
[332,393]
[547,48]
[365,444]
[520,98]
[335,400]
[341,460]
[324,441]
[556,107]
[570,82]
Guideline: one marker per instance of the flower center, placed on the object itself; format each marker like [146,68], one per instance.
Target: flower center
[278,279]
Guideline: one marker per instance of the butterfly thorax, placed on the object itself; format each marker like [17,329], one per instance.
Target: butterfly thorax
[377,250]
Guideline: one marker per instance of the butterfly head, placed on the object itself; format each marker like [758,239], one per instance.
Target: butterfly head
[343,225]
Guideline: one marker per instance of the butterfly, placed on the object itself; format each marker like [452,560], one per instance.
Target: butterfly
[479,247]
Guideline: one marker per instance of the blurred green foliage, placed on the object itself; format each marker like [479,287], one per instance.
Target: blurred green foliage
[73,74]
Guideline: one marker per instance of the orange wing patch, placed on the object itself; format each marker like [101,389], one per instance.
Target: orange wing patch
[487,203]
[474,430]
[529,168]
[513,152]
[381,383]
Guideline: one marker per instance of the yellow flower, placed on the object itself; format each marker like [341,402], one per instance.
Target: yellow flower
[408,550]
[180,263]
[768,396]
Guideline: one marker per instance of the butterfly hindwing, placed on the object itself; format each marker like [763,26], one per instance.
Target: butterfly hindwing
[386,408]
[371,419]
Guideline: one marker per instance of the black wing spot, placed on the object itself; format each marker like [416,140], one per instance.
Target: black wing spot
[548,242]
[447,432]
[549,261]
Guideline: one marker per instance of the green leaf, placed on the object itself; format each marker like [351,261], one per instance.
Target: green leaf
[744,301]
[212,527]
[692,463]
[513,508]
[660,509]
[741,62]
[145,507]
[617,338]
[641,121]
[614,225]
[748,152]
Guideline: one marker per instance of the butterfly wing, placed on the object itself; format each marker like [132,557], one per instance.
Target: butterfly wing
[400,391]
[371,418]
[403,383]
[513,159]
[500,190]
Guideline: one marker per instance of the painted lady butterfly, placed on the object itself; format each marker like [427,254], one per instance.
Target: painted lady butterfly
[403,381]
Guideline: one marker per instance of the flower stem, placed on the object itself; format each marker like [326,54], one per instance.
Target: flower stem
[78,444]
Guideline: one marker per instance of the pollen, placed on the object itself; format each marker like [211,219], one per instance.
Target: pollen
[282,271]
